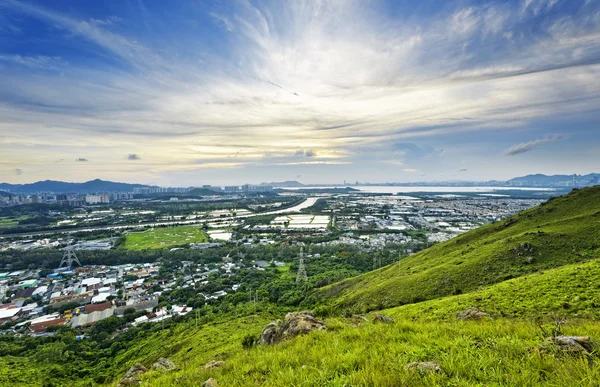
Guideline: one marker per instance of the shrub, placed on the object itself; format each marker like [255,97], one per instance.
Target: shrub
[249,340]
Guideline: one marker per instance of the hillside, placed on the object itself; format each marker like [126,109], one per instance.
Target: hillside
[567,291]
[562,231]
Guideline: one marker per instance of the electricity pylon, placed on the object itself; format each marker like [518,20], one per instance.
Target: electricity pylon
[68,258]
[302,276]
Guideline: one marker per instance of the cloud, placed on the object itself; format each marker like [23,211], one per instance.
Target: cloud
[222,21]
[132,156]
[363,79]
[81,159]
[410,170]
[36,62]
[18,171]
[528,146]
[414,151]
[463,170]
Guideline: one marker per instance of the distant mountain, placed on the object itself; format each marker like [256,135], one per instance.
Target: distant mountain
[541,180]
[289,183]
[64,187]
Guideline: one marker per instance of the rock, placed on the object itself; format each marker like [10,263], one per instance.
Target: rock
[163,364]
[210,383]
[131,377]
[359,317]
[214,364]
[424,367]
[269,334]
[294,324]
[577,345]
[471,314]
[382,318]
[357,320]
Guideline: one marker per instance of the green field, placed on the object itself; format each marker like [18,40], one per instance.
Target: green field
[165,237]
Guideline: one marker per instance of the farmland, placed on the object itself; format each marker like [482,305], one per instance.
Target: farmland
[160,238]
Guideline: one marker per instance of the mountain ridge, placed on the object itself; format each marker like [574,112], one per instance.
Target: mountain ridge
[96,185]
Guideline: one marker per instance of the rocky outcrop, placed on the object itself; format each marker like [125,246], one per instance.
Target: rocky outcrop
[131,377]
[294,324]
[163,364]
[213,365]
[471,314]
[424,367]
[576,345]
[382,318]
[210,383]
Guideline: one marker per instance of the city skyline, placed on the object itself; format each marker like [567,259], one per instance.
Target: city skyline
[192,93]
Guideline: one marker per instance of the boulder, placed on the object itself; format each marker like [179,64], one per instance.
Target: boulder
[163,364]
[270,334]
[471,314]
[131,376]
[424,367]
[294,324]
[577,345]
[213,365]
[382,318]
[210,383]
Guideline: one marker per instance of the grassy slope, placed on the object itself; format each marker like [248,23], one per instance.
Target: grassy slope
[563,231]
[499,352]
[568,291]
[164,237]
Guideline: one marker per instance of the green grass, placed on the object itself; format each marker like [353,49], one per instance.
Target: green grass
[569,291]
[562,231]
[165,237]
[489,353]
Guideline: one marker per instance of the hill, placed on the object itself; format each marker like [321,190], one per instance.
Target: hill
[562,231]
[541,180]
[287,183]
[567,291]
[96,185]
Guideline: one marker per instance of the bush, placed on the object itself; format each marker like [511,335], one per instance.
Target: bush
[249,340]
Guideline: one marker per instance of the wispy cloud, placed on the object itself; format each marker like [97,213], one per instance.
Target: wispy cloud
[337,82]
[528,146]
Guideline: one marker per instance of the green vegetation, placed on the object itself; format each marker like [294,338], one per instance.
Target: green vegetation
[568,291]
[535,271]
[562,231]
[165,237]
[471,354]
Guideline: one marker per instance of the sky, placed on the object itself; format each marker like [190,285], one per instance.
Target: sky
[191,92]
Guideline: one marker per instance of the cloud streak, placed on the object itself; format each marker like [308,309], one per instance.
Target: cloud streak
[529,146]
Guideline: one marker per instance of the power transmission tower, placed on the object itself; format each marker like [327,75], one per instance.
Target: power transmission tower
[302,276]
[68,258]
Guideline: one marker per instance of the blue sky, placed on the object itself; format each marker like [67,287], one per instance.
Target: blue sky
[220,92]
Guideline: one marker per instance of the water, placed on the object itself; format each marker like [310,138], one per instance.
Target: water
[412,189]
